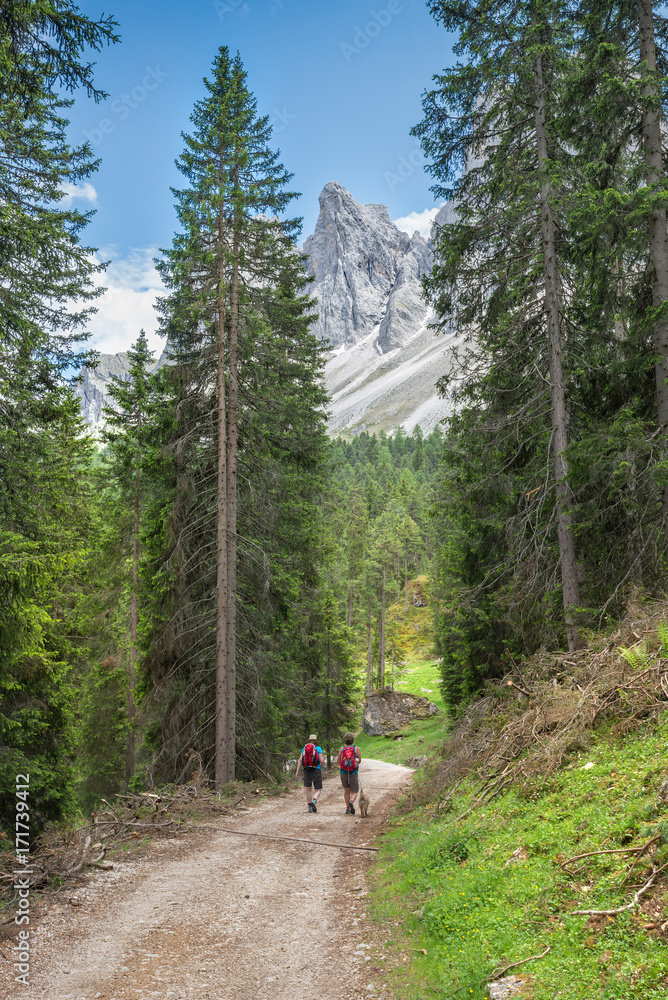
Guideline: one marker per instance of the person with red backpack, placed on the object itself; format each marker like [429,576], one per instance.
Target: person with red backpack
[311,760]
[349,760]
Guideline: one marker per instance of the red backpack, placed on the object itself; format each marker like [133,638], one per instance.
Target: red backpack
[349,758]
[310,755]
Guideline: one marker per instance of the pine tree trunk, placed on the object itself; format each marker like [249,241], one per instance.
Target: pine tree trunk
[658,248]
[134,615]
[406,574]
[369,650]
[221,766]
[368,660]
[381,646]
[231,487]
[569,576]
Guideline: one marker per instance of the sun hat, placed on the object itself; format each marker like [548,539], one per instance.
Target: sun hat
[313,738]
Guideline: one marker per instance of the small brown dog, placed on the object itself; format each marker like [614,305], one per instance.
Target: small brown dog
[363,803]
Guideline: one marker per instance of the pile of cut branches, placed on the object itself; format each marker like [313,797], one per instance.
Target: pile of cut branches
[547,707]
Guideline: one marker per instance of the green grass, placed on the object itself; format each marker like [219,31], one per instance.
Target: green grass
[451,887]
[421,736]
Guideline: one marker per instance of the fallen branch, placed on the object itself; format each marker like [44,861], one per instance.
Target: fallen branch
[82,860]
[501,972]
[520,689]
[619,850]
[654,840]
[292,840]
[447,798]
[629,906]
[494,787]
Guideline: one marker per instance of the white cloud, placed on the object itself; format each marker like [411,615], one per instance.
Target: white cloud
[417,220]
[133,285]
[77,192]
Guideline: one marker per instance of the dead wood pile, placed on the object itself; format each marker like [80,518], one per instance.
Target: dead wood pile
[545,709]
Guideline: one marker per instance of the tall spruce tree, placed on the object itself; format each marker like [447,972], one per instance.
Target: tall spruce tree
[248,404]
[233,177]
[653,125]
[491,129]
[44,270]
[618,455]
[128,432]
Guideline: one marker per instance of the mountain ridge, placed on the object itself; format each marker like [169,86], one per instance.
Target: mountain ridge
[385,358]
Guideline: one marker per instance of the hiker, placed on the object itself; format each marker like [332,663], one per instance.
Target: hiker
[311,760]
[349,760]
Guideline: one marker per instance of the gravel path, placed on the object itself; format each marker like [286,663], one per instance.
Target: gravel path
[216,916]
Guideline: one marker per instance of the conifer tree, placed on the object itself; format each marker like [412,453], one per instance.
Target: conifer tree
[127,431]
[653,123]
[233,178]
[237,318]
[44,455]
[626,46]
[500,266]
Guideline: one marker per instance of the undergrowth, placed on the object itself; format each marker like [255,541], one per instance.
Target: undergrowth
[501,840]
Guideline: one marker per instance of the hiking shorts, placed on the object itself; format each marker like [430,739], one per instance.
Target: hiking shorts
[349,779]
[313,776]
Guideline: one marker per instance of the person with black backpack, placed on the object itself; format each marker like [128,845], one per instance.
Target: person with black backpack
[311,760]
[349,760]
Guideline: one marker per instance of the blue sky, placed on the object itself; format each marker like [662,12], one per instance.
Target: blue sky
[341,82]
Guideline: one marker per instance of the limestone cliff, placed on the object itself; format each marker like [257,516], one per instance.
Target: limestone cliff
[385,359]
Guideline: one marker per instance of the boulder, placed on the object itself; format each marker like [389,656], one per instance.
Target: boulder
[503,989]
[418,761]
[386,711]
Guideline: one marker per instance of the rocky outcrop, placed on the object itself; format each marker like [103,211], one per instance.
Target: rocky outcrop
[94,388]
[406,309]
[367,273]
[418,761]
[504,989]
[386,360]
[387,710]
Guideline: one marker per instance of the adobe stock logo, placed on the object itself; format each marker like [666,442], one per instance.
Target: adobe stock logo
[406,167]
[379,19]
[222,9]
[125,104]
[281,119]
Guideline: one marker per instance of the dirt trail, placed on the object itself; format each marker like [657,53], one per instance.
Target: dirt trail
[220,917]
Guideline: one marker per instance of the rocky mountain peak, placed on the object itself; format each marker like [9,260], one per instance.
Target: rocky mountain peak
[368,275]
[361,262]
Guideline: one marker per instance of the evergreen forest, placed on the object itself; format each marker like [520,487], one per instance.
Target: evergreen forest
[211,578]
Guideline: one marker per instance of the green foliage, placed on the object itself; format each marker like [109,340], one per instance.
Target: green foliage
[103,732]
[498,559]
[636,656]
[36,735]
[46,521]
[491,889]
[380,511]
[662,633]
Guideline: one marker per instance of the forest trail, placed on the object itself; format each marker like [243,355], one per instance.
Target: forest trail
[221,917]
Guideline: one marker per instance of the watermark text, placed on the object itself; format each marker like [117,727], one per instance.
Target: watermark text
[122,106]
[378,20]
[22,879]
